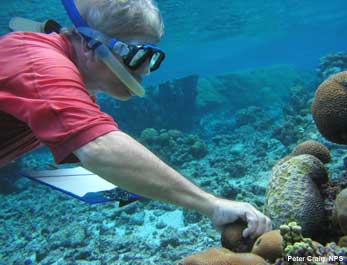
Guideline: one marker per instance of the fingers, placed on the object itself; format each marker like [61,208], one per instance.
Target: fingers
[257,223]
[252,224]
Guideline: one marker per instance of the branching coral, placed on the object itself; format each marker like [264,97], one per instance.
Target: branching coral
[298,250]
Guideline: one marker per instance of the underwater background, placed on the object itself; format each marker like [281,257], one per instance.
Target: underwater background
[232,98]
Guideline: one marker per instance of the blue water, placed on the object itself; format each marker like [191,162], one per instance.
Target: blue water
[246,77]
[214,37]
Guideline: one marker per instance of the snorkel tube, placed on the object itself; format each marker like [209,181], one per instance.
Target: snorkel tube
[101,50]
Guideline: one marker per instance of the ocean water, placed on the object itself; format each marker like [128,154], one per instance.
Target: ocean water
[231,99]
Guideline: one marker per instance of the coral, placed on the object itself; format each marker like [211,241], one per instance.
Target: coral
[292,195]
[306,251]
[149,135]
[222,256]
[173,146]
[313,148]
[329,192]
[342,241]
[341,210]
[332,64]
[287,133]
[269,246]
[329,108]
[232,237]
[297,102]
[198,149]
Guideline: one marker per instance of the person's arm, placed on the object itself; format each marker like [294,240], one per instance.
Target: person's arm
[126,163]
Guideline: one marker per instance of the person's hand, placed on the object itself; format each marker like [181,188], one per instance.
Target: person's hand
[226,212]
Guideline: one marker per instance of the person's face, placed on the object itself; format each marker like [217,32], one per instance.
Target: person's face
[100,77]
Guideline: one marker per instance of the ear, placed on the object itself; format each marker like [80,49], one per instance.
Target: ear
[87,53]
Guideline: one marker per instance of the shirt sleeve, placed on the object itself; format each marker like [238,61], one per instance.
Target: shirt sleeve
[46,91]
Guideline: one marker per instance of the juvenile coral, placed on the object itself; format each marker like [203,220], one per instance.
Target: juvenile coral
[269,246]
[232,238]
[222,256]
[329,108]
[292,195]
[314,148]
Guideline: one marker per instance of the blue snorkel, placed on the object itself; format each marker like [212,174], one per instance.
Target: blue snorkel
[98,41]
[73,13]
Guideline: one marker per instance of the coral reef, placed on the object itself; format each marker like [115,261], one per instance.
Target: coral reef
[174,146]
[236,166]
[293,195]
[269,246]
[294,112]
[329,108]
[286,246]
[222,256]
[270,84]
[313,148]
[332,64]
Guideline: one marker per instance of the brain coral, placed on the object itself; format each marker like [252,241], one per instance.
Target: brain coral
[292,195]
[313,148]
[222,256]
[341,210]
[269,245]
[329,108]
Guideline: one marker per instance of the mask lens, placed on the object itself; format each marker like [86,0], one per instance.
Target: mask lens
[156,60]
[138,58]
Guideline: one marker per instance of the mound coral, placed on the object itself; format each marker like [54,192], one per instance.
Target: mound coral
[341,210]
[313,148]
[329,108]
[269,246]
[293,195]
[222,256]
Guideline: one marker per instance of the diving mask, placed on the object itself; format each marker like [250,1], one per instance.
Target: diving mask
[133,55]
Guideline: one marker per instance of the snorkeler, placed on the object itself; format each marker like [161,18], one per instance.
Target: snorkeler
[47,97]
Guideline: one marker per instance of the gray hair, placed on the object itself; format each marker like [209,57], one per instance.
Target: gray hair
[123,18]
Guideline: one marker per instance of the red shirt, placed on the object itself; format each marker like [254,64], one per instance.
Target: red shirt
[43,99]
